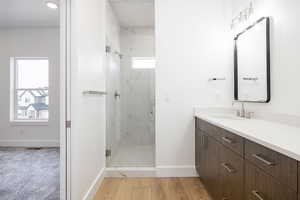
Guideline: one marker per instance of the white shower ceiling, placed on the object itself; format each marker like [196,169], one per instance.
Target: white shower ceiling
[27,13]
[134,13]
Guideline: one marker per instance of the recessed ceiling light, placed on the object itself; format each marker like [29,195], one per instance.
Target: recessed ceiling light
[51,5]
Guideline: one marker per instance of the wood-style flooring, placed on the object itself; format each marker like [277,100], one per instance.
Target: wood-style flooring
[152,189]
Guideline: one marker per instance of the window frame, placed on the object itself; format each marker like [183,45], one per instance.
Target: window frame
[14,95]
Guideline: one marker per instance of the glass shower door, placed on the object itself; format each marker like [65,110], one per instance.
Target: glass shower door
[113,99]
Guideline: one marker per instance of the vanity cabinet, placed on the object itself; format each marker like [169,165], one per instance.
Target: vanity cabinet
[234,168]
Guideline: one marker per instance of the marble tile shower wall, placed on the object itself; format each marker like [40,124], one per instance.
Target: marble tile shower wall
[137,88]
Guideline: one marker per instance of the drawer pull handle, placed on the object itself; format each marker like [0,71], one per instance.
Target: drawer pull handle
[226,139]
[258,157]
[257,195]
[228,168]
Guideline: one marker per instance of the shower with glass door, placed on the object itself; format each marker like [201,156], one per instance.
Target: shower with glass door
[131,100]
[130,84]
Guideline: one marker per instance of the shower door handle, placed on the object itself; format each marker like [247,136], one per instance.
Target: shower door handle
[117,95]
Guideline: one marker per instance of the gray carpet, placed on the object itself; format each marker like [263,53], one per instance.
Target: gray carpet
[29,174]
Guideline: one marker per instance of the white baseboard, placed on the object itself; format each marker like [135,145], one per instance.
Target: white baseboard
[29,143]
[176,171]
[95,185]
[130,172]
[159,171]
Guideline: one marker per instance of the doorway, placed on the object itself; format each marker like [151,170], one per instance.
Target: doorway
[33,137]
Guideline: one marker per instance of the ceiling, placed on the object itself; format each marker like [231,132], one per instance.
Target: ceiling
[134,13]
[27,13]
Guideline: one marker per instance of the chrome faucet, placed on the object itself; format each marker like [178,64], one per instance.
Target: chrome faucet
[242,111]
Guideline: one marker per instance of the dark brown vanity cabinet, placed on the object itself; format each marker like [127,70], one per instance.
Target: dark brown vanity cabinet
[234,168]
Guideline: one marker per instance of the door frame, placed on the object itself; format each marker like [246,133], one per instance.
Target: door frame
[64,10]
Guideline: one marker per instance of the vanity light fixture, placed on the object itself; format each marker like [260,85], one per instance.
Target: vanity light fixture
[52,5]
[243,16]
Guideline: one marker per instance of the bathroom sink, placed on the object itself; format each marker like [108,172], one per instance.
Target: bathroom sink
[226,116]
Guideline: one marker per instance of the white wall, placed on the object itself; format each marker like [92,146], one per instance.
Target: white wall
[29,42]
[191,47]
[285,48]
[87,112]
[194,42]
[137,87]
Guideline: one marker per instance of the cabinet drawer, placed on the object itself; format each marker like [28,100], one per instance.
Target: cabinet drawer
[279,166]
[210,129]
[232,141]
[261,186]
[231,175]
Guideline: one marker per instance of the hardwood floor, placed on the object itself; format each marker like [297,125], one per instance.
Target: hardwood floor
[152,189]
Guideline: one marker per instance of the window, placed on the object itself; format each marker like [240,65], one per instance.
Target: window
[30,88]
[143,63]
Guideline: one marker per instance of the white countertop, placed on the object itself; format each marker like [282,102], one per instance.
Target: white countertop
[279,137]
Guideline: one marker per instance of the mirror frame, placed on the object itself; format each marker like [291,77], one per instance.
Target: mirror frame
[268,64]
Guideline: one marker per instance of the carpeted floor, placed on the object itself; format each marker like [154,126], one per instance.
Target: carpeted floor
[29,174]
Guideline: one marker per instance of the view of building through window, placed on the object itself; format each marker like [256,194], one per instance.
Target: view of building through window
[31,88]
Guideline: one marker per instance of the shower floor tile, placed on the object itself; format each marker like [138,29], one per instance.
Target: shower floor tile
[132,155]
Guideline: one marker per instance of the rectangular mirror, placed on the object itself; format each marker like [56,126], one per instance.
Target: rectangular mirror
[252,63]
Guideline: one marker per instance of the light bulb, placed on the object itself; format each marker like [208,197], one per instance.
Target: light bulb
[51,5]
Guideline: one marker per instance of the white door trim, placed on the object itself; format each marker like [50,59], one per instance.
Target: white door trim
[64,98]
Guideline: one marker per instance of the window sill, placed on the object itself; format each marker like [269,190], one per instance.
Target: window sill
[29,123]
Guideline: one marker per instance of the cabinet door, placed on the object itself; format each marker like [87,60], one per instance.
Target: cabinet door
[299,179]
[200,154]
[261,186]
[231,175]
[211,177]
[198,144]
[273,163]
